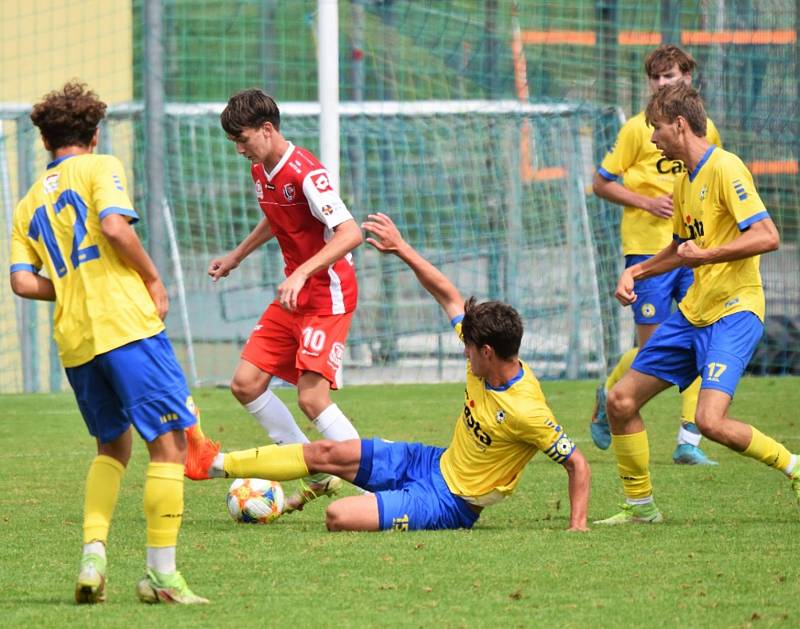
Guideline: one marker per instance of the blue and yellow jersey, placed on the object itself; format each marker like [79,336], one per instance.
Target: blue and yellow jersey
[713,205]
[497,433]
[101,303]
[644,170]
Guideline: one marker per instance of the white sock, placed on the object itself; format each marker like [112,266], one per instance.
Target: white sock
[788,471]
[333,424]
[161,559]
[688,437]
[217,469]
[96,548]
[276,419]
[639,501]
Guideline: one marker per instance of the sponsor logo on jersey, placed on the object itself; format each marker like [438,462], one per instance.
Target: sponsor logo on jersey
[259,190]
[50,183]
[336,355]
[270,186]
[731,302]
[694,227]
[648,310]
[289,191]
[327,210]
[666,166]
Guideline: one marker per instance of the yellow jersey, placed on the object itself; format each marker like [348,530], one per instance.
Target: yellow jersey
[713,205]
[498,432]
[101,302]
[644,170]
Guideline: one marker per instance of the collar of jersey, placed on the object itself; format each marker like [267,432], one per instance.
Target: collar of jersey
[284,158]
[702,161]
[56,162]
[507,385]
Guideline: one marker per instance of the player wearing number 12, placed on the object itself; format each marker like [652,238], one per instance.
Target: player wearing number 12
[74,224]
[301,336]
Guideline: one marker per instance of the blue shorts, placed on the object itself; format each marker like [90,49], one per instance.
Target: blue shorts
[411,491]
[678,351]
[140,383]
[655,295]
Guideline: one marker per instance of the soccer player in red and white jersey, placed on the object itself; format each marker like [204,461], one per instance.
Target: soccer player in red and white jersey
[301,336]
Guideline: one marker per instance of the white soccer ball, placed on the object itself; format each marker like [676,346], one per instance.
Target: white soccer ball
[255,501]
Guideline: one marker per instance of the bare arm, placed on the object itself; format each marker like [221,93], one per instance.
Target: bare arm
[32,286]
[126,244]
[760,237]
[432,279]
[664,261]
[346,237]
[619,194]
[221,267]
[580,476]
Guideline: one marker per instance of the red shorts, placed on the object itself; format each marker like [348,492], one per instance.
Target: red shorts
[285,344]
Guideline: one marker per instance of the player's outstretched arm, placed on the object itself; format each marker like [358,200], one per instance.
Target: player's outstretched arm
[221,267]
[120,235]
[580,476]
[389,240]
[31,285]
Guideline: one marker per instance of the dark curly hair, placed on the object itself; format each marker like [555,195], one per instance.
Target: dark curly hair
[492,323]
[69,116]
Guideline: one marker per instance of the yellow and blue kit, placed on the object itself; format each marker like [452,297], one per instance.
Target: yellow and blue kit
[498,431]
[106,326]
[720,320]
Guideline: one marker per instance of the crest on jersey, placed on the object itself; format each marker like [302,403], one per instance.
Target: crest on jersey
[51,182]
[703,193]
[289,191]
[259,190]
[500,416]
[336,355]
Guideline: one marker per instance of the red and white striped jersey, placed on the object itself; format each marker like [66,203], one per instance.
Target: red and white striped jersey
[303,208]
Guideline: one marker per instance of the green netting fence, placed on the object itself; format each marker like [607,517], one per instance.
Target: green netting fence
[487,171]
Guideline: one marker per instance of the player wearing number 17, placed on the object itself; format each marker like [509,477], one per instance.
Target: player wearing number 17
[720,227]
[74,224]
[301,335]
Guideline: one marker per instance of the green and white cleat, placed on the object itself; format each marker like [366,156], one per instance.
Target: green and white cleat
[312,488]
[635,514]
[157,587]
[90,587]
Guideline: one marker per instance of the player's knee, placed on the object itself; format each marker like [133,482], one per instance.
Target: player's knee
[336,517]
[709,424]
[311,403]
[620,405]
[243,390]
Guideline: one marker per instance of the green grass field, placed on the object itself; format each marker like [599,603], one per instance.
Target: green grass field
[727,555]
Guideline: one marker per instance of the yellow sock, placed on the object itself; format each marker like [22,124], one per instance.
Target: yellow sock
[768,451]
[633,463]
[270,462]
[689,401]
[102,490]
[623,364]
[163,503]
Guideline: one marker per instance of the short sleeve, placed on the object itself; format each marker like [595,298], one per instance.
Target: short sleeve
[323,200]
[548,436]
[738,193]
[623,154]
[712,134]
[23,254]
[110,189]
